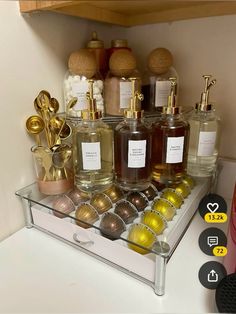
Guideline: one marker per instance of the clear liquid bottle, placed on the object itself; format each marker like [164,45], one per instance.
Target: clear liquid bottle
[204,135]
[170,143]
[92,149]
[132,147]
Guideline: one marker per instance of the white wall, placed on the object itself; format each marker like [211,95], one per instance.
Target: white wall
[33,56]
[199,46]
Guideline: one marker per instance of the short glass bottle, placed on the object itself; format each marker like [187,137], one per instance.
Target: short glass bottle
[92,150]
[132,147]
[204,136]
[170,143]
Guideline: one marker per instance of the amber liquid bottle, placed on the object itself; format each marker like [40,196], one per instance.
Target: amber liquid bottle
[170,143]
[132,148]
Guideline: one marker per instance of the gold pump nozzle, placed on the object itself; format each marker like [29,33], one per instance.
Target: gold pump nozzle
[171,107]
[134,111]
[91,113]
[203,105]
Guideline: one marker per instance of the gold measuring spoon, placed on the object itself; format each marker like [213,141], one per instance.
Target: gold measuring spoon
[35,125]
[43,103]
[37,101]
[45,92]
[44,154]
[71,103]
[65,132]
[61,155]
[56,125]
[53,105]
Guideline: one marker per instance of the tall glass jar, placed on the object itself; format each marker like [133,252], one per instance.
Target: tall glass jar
[156,85]
[82,67]
[118,88]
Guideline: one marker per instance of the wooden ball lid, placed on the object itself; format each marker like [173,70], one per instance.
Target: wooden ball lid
[82,62]
[122,63]
[160,60]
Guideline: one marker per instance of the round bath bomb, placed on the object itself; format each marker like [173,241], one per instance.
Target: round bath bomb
[122,63]
[160,60]
[82,62]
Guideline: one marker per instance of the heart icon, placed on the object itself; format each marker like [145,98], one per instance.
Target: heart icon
[212,207]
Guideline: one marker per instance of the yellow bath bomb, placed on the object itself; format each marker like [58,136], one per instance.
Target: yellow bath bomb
[82,62]
[160,60]
[122,63]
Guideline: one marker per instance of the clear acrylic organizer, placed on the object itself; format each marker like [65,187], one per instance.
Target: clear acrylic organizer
[150,268]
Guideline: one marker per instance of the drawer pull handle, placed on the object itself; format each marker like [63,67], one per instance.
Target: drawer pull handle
[84,243]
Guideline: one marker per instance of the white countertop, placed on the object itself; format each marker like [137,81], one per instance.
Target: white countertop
[41,274]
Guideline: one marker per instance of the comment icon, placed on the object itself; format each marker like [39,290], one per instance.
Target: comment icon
[212,241]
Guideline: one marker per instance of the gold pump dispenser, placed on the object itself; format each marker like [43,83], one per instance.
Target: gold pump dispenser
[92,113]
[171,107]
[134,111]
[203,105]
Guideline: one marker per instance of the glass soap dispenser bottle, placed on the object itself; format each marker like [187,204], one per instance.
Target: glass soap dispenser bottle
[92,149]
[204,135]
[132,146]
[170,142]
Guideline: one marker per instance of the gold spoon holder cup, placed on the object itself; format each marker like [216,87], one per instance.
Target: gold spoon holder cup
[52,179]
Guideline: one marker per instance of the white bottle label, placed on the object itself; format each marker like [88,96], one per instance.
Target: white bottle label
[206,144]
[136,154]
[175,148]
[162,91]
[79,90]
[125,94]
[91,155]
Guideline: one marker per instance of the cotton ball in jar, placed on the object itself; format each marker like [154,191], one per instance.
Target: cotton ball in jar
[82,62]
[160,60]
[122,63]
